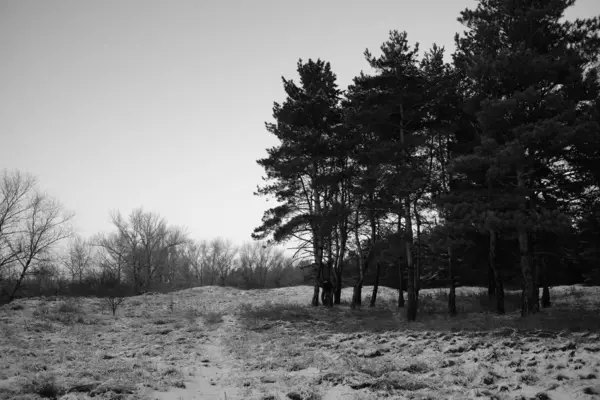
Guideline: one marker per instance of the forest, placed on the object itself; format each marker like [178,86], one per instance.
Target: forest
[480,171]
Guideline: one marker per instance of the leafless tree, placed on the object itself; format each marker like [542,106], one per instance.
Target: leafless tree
[31,223]
[222,255]
[177,269]
[78,258]
[248,261]
[207,267]
[285,270]
[256,260]
[112,255]
[143,243]
[45,274]
[114,301]
[197,253]
[15,192]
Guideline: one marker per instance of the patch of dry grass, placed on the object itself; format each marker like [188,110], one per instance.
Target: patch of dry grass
[375,349]
[57,345]
[278,345]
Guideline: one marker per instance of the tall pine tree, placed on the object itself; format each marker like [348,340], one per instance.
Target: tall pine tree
[299,169]
[526,68]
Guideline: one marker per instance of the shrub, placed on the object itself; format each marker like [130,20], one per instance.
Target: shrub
[68,307]
[213,317]
[45,385]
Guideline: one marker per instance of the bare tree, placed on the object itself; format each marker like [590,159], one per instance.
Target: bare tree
[256,260]
[223,254]
[198,256]
[113,255]
[15,192]
[32,223]
[78,258]
[280,270]
[285,270]
[144,243]
[208,268]
[249,262]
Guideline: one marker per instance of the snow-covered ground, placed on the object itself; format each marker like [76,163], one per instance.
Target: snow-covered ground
[217,343]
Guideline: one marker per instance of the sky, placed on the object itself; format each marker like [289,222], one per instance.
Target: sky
[117,104]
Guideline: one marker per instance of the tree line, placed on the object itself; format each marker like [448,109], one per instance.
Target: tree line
[142,253]
[484,166]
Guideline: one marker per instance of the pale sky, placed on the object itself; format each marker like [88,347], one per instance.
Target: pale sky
[115,104]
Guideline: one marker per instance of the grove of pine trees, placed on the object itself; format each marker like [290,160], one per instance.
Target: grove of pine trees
[484,170]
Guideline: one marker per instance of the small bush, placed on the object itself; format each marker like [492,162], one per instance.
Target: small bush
[68,307]
[213,317]
[113,303]
[42,312]
[17,307]
[115,294]
[44,385]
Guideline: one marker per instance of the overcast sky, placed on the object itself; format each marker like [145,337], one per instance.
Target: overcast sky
[115,104]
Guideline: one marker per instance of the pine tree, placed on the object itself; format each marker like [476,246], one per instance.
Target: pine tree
[525,67]
[387,112]
[299,168]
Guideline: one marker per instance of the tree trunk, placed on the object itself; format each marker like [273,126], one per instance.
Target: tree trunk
[319,276]
[16,288]
[452,294]
[411,303]
[418,256]
[401,288]
[25,268]
[499,295]
[337,294]
[546,297]
[343,239]
[491,282]
[400,269]
[328,294]
[374,253]
[535,268]
[546,290]
[338,269]
[529,296]
[530,304]
[356,296]
[357,292]
[499,290]
[315,299]
[330,272]
[375,286]
[328,291]
[317,242]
